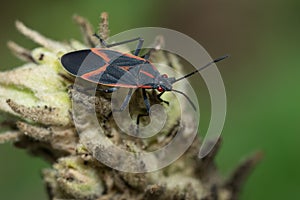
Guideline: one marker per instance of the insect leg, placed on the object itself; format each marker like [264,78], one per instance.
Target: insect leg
[157,45]
[159,98]
[146,100]
[125,102]
[107,90]
[102,42]
[139,47]
[148,54]
[91,90]
[147,104]
[137,50]
[125,42]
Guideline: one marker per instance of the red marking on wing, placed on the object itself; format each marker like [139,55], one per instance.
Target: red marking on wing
[121,85]
[107,59]
[126,68]
[95,72]
[139,58]
[145,86]
[147,73]
[133,56]
[128,86]
[98,52]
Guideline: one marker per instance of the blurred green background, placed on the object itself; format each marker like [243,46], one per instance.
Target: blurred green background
[261,78]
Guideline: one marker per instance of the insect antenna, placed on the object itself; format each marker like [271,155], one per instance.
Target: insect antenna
[186,96]
[201,68]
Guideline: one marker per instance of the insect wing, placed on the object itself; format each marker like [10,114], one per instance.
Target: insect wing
[82,62]
[124,70]
[109,67]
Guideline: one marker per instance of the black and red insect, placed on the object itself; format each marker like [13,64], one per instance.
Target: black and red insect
[122,70]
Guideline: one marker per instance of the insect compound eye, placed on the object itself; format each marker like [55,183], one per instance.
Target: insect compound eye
[164,76]
[160,89]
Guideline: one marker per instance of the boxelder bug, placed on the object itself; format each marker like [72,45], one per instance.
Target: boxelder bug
[116,69]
